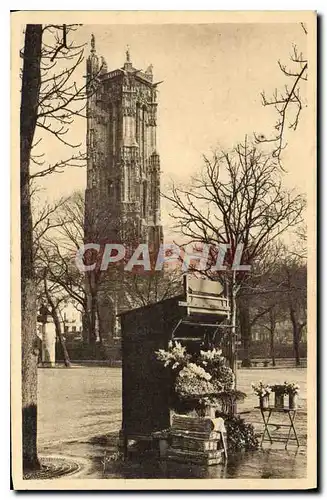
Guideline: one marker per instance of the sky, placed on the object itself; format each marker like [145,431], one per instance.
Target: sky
[212,75]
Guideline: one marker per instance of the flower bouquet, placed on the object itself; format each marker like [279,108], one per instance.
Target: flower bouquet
[292,390]
[263,391]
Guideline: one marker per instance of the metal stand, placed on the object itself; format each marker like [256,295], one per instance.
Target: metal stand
[266,414]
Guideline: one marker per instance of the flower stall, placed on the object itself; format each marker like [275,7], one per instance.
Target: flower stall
[202,393]
[185,328]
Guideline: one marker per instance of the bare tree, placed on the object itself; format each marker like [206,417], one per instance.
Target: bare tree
[61,101]
[279,296]
[288,102]
[84,288]
[261,292]
[151,287]
[44,222]
[295,287]
[50,101]
[267,309]
[57,248]
[237,198]
[31,81]
[58,251]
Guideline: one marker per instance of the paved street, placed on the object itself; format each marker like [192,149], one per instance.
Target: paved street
[80,416]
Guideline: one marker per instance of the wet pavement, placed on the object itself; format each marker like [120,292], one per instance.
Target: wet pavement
[84,422]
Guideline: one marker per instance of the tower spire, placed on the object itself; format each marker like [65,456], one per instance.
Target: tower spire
[149,72]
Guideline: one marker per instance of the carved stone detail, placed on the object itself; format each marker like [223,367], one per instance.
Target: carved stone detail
[124,178]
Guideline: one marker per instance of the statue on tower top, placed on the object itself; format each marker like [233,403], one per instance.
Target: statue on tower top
[92,43]
[92,62]
[128,64]
[128,55]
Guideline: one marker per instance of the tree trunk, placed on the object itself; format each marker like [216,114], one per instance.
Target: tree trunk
[60,337]
[272,336]
[245,327]
[56,321]
[86,327]
[99,323]
[232,342]
[233,345]
[296,346]
[92,291]
[93,312]
[272,347]
[31,80]
[296,336]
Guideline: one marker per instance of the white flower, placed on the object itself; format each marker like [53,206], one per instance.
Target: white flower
[194,371]
[211,354]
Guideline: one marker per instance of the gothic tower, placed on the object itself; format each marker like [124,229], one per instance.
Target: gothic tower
[122,199]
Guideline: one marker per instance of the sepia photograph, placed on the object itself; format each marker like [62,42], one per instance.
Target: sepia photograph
[163,171]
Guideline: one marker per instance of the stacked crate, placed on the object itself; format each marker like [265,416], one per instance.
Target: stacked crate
[198,440]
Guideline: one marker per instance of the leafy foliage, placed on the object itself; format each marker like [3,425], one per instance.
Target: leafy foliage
[240,435]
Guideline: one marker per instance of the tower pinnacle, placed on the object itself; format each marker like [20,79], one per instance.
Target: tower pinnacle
[92,62]
[149,72]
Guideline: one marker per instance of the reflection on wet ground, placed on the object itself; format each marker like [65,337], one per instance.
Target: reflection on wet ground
[272,461]
[263,464]
[84,425]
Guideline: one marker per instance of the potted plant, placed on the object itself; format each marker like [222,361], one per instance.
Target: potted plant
[279,391]
[263,391]
[229,399]
[292,391]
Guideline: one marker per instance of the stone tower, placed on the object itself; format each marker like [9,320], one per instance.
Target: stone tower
[122,199]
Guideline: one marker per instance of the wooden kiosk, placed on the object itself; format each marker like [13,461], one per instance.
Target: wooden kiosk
[196,319]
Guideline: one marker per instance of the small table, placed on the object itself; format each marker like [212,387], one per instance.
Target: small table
[266,414]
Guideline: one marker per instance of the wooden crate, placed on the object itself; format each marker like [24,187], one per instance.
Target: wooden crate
[210,457]
[195,444]
[196,440]
[201,425]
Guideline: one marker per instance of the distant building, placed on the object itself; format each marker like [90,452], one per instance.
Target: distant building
[71,321]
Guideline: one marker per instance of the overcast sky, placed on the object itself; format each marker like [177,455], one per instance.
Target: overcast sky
[213,75]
